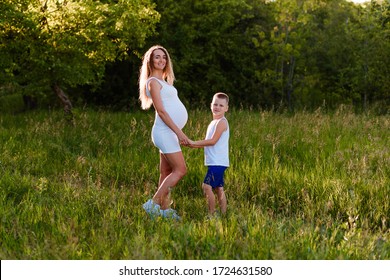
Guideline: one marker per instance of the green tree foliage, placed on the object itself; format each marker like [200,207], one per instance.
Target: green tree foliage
[285,42]
[267,53]
[294,53]
[369,75]
[53,45]
[321,51]
[213,47]
[327,52]
[341,48]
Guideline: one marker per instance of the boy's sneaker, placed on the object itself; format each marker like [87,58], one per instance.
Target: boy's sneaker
[152,208]
[170,213]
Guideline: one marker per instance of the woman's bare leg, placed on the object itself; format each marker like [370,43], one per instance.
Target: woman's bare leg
[165,169]
[176,163]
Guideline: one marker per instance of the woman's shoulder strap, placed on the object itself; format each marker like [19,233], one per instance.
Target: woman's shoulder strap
[152,78]
[147,84]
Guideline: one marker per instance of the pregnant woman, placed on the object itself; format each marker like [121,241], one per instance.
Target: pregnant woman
[156,87]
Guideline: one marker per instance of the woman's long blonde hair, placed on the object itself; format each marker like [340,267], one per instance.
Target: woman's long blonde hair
[146,71]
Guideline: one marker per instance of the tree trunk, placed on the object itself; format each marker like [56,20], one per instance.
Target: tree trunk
[290,85]
[65,101]
[29,102]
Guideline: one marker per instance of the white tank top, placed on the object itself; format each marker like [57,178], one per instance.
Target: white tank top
[219,153]
[172,104]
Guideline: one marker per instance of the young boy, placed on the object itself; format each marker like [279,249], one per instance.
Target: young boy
[216,151]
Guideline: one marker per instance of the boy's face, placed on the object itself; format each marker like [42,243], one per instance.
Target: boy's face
[218,107]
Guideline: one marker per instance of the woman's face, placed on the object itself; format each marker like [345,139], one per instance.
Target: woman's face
[159,59]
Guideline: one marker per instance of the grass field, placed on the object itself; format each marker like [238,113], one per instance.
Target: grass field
[302,186]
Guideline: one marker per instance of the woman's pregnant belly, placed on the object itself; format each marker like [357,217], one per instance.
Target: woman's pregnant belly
[178,114]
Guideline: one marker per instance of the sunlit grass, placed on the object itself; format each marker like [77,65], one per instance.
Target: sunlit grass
[302,186]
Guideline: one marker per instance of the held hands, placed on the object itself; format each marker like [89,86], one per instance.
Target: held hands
[185,141]
[190,144]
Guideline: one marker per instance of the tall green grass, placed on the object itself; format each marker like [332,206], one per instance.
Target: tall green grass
[302,186]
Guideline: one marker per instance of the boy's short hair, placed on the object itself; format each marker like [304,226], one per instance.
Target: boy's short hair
[222,95]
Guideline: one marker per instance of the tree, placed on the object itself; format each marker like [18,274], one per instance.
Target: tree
[52,45]
[285,44]
[211,43]
[371,71]
[328,52]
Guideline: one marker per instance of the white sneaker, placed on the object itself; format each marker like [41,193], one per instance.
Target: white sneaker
[152,208]
[170,213]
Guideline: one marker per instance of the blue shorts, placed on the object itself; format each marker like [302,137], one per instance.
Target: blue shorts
[214,176]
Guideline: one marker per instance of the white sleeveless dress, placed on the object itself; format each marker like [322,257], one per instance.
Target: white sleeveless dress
[162,136]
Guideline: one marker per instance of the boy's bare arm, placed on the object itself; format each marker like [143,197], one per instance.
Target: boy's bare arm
[221,127]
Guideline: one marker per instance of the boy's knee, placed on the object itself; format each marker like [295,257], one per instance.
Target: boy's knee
[220,191]
[207,188]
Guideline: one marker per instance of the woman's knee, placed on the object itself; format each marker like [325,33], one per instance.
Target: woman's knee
[177,164]
[165,172]
[181,171]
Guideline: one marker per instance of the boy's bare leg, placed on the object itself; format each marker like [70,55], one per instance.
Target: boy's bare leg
[222,199]
[208,192]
